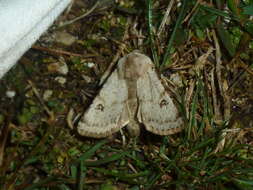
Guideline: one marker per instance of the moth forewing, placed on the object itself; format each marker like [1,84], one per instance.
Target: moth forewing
[108,112]
[157,110]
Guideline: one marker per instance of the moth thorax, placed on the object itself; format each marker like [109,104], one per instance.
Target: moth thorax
[136,66]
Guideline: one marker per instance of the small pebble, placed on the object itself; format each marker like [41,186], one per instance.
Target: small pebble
[60,80]
[47,94]
[90,64]
[87,78]
[59,67]
[10,93]
[65,38]
[176,79]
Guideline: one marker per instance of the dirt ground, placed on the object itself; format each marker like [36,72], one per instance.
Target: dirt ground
[44,96]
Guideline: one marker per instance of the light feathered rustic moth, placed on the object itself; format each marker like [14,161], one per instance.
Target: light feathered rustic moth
[132,95]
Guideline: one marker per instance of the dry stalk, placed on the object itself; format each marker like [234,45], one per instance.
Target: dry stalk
[165,18]
[60,52]
[216,105]
[188,97]
[82,16]
[224,95]
[35,91]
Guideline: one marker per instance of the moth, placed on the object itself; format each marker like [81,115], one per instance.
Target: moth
[133,95]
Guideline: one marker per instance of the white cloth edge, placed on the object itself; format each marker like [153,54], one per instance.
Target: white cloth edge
[10,57]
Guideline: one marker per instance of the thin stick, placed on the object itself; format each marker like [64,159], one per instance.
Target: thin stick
[218,61]
[217,113]
[4,134]
[192,11]
[246,67]
[35,91]
[188,96]
[225,96]
[172,37]
[165,18]
[80,17]
[151,32]
[59,52]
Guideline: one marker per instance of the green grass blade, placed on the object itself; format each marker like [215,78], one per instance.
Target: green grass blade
[106,160]
[81,176]
[130,178]
[171,40]
[226,40]
[219,12]
[205,143]
[91,152]
[150,31]
[41,183]
[193,121]
[152,179]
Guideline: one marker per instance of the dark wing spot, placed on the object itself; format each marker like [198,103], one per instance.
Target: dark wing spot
[100,107]
[163,103]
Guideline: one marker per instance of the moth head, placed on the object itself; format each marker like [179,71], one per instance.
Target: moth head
[136,65]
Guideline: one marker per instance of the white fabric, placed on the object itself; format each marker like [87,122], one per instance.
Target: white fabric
[21,24]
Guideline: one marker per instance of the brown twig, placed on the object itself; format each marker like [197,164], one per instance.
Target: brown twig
[218,61]
[216,105]
[246,67]
[188,97]
[224,95]
[240,76]
[3,139]
[82,16]
[192,11]
[60,52]
[35,91]
[165,18]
